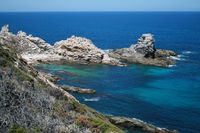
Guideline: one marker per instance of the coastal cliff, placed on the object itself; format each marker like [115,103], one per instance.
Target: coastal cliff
[30,102]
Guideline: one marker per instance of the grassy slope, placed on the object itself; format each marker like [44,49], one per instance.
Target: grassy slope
[61,108]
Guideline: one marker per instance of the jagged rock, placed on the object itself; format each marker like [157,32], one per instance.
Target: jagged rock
[79,48]
[35,40]
[74,49]
[144,52]
[5,29]
[40,43]
[82,50]
[145,45]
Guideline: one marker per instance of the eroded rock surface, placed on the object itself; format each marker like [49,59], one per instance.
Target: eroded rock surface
[81,50]
[74,49]
[144,52]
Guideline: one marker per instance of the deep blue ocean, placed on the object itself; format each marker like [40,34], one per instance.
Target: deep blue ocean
[166,97]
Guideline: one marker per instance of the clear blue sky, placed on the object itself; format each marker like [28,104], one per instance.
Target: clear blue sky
[99,5]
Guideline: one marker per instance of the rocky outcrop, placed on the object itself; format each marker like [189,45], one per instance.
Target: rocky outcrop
[37,41]
[144,52]
[83,51]
[77,90]
[78,49]
[135,124]
[73,50]
[51,77]
[145,46]
[5,29]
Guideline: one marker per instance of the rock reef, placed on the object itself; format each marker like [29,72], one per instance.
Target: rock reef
[77,89]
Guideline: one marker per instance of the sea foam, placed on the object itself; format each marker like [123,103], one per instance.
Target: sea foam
[187,52]
[179,57]
[171,66]
[95,99]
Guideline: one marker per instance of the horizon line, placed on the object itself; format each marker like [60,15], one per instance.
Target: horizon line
[89,11]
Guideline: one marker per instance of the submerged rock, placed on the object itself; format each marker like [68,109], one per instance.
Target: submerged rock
[77,90]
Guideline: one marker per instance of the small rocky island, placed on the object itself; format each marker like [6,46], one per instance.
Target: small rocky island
[144,52]
[30,101]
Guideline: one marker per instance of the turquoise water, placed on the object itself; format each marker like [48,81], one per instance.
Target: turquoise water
[166,97]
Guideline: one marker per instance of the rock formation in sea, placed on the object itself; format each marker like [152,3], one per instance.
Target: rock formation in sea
[79,49]
[144,52]
[82,50]
[30,102]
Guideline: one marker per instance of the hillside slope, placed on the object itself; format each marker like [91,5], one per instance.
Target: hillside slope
[29,103]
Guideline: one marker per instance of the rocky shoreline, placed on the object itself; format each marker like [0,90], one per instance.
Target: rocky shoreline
[83,51]
[136,124]
[26,50]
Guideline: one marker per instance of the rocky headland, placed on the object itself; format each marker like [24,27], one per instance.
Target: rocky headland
[83,51]
[31,102]
[74,49]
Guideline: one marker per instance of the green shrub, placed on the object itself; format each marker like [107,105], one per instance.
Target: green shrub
[96,124]
[17,129]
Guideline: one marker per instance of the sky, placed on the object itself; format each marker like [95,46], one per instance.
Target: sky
[98,5]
